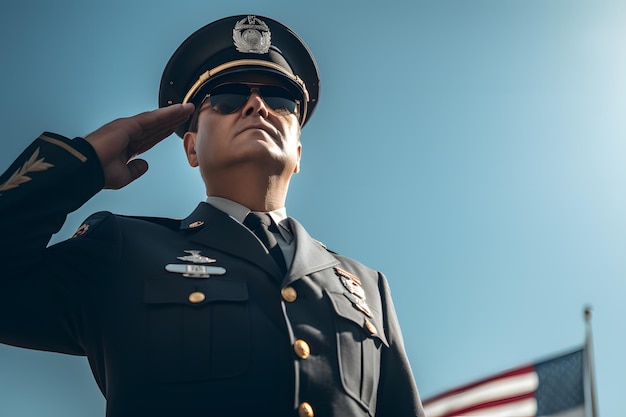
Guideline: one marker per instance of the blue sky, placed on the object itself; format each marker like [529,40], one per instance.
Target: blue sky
[472,150]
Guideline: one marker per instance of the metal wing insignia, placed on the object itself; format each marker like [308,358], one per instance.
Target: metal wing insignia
[195,257]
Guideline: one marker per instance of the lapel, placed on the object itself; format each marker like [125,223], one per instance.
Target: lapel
[220,231]
[310,256]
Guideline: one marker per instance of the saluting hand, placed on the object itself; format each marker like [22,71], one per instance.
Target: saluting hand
[118,143]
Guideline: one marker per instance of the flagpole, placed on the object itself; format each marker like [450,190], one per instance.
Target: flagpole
[589,361]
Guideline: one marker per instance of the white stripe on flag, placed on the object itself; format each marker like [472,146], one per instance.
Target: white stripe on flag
[488,391]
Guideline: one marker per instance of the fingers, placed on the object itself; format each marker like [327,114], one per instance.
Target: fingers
[159,121]
[129,172]
[136,168]
[156,125]
[121,140]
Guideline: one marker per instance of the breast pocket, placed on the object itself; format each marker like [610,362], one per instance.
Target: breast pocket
[360,339]
[199,329]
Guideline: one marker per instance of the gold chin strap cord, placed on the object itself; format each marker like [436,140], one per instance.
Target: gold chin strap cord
[241,62]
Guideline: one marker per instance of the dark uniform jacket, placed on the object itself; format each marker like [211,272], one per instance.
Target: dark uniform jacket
[245,340]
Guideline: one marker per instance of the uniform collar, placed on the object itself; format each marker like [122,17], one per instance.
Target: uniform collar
[239,213]
[227,235]
[214,228]
[232,208]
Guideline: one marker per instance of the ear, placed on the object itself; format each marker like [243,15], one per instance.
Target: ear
[189,142]
[297,168]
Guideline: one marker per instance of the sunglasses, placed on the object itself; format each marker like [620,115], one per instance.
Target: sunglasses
[228,98]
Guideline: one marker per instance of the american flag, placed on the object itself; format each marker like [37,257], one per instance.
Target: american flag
[550,388]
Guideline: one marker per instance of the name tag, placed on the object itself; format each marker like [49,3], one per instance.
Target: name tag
[195,271]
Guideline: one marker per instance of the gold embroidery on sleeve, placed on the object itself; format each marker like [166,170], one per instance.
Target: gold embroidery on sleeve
[65,146]
[19,177]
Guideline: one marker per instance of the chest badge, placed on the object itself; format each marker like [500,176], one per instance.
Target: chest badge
[196,269]
[356,293]
[195,257]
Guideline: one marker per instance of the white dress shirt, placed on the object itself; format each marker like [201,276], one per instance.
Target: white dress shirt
[285,238]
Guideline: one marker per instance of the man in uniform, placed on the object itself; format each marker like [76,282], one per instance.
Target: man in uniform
[234,310]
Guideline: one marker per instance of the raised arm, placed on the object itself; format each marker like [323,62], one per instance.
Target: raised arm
[53,177]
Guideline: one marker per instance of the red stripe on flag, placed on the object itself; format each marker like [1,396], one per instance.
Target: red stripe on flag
[504,375]
[491,404]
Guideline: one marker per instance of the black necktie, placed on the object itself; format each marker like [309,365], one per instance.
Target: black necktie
[260,224]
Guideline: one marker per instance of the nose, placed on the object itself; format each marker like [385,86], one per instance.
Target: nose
[255,105]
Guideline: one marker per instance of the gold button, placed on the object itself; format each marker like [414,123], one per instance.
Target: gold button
[371,328]
[305,410]
[289,294]
[196,297]
[302,349]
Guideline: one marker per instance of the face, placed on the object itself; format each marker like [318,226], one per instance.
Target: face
[252,137]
